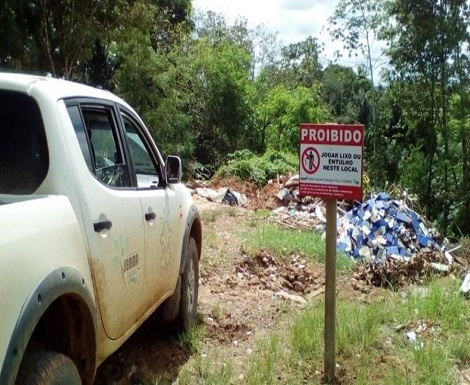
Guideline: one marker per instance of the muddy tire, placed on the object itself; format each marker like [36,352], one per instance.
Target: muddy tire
[47,368]
[187,314]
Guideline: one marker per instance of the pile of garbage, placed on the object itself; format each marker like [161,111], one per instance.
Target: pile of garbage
[223,195]
[383,227]
[372,231]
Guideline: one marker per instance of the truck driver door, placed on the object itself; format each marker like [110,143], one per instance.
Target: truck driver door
[112,216]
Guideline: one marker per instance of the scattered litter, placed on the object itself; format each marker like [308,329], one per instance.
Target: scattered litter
[440,267]
[307,213]
[411,336]
[291,297]
[465,288]
[223,195]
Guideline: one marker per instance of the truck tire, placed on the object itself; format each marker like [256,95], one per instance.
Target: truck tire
[189,287]
[47,368]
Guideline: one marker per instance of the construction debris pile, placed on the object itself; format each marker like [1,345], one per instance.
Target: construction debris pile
[379,228]
[281,276]
[393,273]
[383,227]
[306,213]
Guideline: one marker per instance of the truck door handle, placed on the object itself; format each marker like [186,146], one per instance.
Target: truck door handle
[101,225]
[150,216]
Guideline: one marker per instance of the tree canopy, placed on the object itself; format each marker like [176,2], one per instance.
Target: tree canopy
[208,88]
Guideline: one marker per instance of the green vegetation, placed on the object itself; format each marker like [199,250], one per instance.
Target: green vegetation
[208,371]
[191,339]
[371,343]
[259,169]
[229,99]
[371,338]
[209,216]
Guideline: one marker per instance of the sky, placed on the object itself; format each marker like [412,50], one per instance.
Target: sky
[293,20]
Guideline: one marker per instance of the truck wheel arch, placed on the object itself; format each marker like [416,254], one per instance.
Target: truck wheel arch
[58,314]
[193,229]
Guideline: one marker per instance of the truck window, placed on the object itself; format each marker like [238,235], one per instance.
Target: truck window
[76,118]
[96,130]
[145,165]
[24,157]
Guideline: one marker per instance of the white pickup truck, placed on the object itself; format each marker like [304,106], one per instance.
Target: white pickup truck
[96,231]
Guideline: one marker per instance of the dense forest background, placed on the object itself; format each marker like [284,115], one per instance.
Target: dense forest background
[213,91]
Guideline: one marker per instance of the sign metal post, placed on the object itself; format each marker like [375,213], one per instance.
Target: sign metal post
[330,292]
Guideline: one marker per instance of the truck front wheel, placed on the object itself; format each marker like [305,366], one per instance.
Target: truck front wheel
[47,368]
[189,287]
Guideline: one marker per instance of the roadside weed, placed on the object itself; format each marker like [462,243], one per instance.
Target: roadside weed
[206,371]
[262,366]
[191,338]
[231,211]
[208,216]
[357,326]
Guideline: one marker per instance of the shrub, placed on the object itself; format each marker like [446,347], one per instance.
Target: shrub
[259,169]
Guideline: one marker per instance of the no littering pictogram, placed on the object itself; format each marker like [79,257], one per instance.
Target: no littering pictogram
[310,160]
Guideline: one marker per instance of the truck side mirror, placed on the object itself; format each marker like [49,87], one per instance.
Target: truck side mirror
[174,169]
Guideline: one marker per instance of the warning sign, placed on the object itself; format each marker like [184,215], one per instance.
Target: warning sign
[331,160]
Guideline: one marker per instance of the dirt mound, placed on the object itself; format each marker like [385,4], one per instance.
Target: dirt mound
[258,199]
[245,187]
[266,198]
[274,274]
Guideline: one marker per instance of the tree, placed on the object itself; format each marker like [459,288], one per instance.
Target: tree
[345,92]
[54,36]
[425,39]
[300,64]
[357,24]
[280,114]
[171,21]
[265,50]
[221,88]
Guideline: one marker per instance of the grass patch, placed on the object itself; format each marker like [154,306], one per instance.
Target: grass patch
[208,216]
[285,242]
[206,371]
[262,368]
[369,344]
[375,351]
[191,338]
[231,211]
[211,250]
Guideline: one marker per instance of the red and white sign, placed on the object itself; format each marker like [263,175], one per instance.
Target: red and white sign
[331,160]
